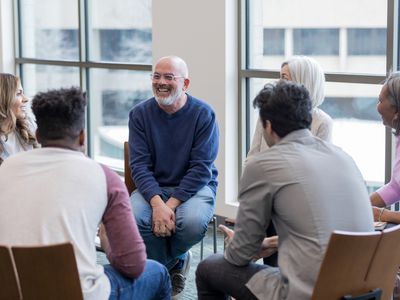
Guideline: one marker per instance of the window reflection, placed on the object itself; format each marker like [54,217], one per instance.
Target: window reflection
[125,45]
[113,94]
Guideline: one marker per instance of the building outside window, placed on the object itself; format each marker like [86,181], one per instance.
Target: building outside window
[349,40]
[274,41]
[316,41]
[366,41]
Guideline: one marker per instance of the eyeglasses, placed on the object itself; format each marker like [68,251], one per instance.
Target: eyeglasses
[167,77]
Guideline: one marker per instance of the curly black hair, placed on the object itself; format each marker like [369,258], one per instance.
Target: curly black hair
[60,114]
[286,105]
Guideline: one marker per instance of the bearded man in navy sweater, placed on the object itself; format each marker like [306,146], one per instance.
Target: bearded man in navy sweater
[173,142]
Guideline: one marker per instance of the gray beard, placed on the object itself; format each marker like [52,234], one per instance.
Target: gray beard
[168,100]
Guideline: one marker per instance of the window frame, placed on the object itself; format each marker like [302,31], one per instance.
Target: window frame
[246,73]
[83,63]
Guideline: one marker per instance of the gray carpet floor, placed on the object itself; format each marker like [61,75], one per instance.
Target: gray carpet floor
[190,291]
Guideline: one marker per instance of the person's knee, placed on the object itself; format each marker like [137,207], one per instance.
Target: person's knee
[141,210]
[207,266]
[192,229]
[159,273]
[154,267]
[142,221]
[201,269]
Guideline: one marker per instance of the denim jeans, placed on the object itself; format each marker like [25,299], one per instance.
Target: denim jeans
[153,284]
[191,217]
[216,278]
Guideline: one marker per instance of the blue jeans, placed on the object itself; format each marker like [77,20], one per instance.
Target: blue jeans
[154,283]
[191,217]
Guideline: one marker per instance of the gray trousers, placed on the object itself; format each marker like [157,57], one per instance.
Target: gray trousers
[216,278]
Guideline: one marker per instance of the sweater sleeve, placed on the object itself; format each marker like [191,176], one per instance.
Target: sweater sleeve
[202,157]
[140,160]
[127,254]
[390,192]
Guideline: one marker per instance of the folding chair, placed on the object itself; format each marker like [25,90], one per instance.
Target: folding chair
[359,266]
[213,222]
[130,185]
[48,272]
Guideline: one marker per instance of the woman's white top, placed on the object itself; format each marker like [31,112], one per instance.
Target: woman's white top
[12,145]
[321,126]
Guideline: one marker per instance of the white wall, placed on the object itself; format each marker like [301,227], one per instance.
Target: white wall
[204,34]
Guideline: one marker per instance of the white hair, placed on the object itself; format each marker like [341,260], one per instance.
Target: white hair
[308,72]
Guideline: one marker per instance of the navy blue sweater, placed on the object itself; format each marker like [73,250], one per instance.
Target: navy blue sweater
[175,150]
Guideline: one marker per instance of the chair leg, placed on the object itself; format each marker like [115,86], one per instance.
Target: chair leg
[214,224]
[201,249]
[214,220]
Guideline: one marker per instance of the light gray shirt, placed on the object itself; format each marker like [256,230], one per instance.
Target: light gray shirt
[308,188]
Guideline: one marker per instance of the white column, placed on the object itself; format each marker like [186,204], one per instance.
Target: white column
[204,34]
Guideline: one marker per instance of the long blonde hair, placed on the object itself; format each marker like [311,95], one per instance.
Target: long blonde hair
[8,121]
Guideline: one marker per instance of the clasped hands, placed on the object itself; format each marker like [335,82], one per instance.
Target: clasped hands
[268,247]
[163,216]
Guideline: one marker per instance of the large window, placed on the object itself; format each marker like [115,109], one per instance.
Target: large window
[102,46]
[350,41]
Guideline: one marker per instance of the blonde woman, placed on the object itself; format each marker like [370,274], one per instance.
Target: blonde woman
[15,127]
[306,71]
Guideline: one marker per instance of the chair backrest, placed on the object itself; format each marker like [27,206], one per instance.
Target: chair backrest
[48,272]
[130,185]
[358,263]
[386,261]
[9,287]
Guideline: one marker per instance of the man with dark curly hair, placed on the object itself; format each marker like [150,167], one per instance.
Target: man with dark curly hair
[301,183]
[56,194]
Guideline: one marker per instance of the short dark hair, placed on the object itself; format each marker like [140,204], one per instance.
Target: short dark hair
[60,114]
[286,105]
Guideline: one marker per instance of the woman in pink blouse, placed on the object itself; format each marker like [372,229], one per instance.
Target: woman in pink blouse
[389,108]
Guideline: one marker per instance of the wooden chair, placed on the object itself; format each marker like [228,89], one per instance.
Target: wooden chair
[130,185]
[9,289]
[359,266]
[386,261]
[48,272]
